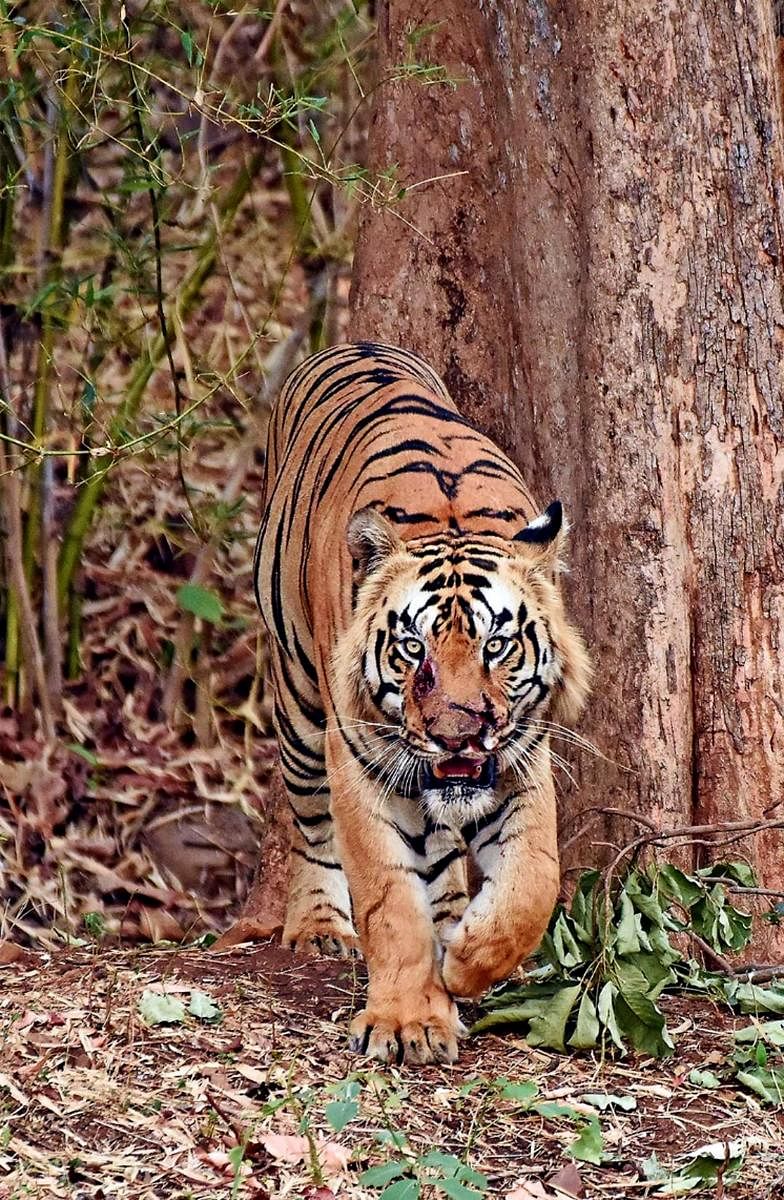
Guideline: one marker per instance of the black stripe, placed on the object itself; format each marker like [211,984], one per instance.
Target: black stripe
[330,866]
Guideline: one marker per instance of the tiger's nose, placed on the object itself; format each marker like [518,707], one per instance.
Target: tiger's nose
[462,745]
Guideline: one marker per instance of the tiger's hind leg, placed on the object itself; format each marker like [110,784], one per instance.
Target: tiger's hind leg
[318,909]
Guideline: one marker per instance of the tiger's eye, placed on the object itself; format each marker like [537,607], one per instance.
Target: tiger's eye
[413,647]
[495,646]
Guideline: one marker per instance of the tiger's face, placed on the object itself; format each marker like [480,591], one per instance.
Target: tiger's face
[460,654]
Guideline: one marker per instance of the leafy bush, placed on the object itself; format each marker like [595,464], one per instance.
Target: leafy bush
[607,959]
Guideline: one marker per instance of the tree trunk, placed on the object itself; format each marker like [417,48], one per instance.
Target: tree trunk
[264,909]
[601,290]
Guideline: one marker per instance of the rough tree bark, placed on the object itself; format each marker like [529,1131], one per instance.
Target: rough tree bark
[602,291]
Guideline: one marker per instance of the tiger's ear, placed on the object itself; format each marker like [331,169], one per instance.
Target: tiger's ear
[546,534]
[370,539]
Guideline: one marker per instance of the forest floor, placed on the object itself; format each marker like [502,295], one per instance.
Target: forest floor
[248,1091]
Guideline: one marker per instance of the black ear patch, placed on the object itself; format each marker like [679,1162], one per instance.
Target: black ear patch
[543,528]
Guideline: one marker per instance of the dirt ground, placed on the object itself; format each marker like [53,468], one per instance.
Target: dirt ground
[94,1102]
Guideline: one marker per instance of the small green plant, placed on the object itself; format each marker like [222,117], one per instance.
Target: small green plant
[606,960]
[202,602]
[403,1178]
[716,1164]
[345,1106]
[589,1143]
[406,1174]
[95,926]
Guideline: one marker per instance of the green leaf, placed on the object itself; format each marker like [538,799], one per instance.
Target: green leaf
[204,1007]
[554,1109]
[605,1100]
[340,1112]
[626,939]
[683,888]
[588,1146]
[653,1170]
[457,1190]
[84,753]
[655,973]
[404,1189]
[391,1137]
[200,601]
[583,911]
[706,1163]
[644,901]
[524,1092]
[548,1018]
[155,1008]
[752,998]
[95,925]
[192,53]
[704,1079]
[606,1011]
[567,948]
[647,1032]
[769,1031]
[515,1014]
[768,1085]
[376,1176]
[448,1164]
[586,1033]
[469,1175]
[738,872]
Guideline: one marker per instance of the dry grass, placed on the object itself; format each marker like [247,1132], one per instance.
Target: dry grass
[154,817]
[94,1103]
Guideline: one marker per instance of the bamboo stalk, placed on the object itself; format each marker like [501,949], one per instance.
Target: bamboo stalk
[40,550]
[49,268]
[50,612]
[92,489]
[25,630]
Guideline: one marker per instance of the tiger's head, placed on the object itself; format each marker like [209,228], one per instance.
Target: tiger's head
[459,657]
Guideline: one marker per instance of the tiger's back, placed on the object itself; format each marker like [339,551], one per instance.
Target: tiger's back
[367,425]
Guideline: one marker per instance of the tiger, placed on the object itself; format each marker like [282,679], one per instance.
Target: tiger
[420,656]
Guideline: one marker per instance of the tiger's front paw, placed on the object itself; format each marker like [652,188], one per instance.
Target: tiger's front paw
[418,1042]
[470,967]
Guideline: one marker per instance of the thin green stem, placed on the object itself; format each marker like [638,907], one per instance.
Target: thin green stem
[73,658]
[163,324]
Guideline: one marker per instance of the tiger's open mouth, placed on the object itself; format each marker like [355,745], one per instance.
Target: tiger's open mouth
[459,771]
